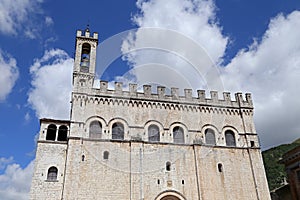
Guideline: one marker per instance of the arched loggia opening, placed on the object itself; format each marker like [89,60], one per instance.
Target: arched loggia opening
[51,132]
[62,133]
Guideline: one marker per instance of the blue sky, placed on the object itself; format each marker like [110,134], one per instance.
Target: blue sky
[256,45]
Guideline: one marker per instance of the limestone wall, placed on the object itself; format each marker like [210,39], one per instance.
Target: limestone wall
[48,154]
[136,170]
[137,110]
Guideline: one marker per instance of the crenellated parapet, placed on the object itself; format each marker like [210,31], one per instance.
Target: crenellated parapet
[86,34]
[239,101]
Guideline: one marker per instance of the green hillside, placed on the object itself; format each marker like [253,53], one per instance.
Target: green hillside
[275,171]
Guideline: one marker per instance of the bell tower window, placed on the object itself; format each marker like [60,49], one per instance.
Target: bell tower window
[85,57]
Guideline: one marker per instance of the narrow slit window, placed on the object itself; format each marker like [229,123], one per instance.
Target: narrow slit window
[105,155]
[220,167]
[168,166]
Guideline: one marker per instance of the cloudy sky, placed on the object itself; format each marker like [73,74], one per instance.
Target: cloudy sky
[233,45]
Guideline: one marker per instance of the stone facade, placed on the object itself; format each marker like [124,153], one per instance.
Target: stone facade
[291,161]
[127,144]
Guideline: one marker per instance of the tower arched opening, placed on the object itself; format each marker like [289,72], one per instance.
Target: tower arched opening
[62,133]
[51,132]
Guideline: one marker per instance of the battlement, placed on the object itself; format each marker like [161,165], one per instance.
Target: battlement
[239,99]
[86,34]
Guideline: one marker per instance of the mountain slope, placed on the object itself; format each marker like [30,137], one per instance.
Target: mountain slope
[275,171]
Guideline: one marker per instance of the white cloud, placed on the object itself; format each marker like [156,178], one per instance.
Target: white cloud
[21,15]
[5,161]
[177,35]
[51,85]
[193,18]
[270,69]
[30,33]
[15,182]
[27,117]
[48,21]
[9,74]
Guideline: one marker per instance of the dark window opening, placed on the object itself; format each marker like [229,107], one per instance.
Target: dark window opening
[82,158]
[230,139]
[85,57]
[220,167]
[158,181]
[105,155]
[95,129]
[210,137]
[168,166]
[62,133]
[178,135]
[52,174]
[51,132]
[182,182]
[118,131]
[298,176]
[252,143]
[153,133]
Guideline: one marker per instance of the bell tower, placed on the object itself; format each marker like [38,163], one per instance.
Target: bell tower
[85,60]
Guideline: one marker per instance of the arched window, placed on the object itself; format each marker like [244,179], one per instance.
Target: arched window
[105,155]
[95,129]
[52,174]
[178,135]
[220,167]
[210,137]
[230,139]
[118,131]
[85,57]
[168,166]
[170,197]
[62,133]
[153,133]
[51,132]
